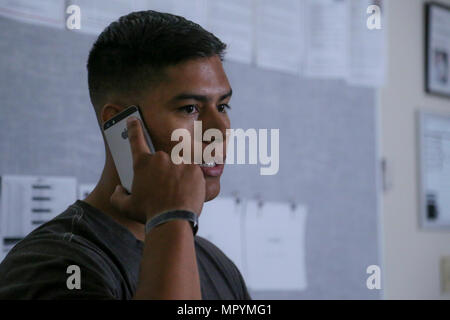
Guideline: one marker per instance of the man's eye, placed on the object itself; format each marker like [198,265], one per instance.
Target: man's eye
[222,107]
[189,109]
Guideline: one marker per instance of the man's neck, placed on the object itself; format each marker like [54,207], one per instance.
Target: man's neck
[100,198]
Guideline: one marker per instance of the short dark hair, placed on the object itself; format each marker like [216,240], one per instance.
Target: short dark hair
[132,52]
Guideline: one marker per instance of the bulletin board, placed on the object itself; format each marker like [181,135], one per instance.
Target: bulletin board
[328,146]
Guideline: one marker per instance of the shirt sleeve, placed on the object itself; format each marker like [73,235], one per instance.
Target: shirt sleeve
[40,270]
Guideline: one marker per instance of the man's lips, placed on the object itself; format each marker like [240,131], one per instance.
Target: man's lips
[212,170]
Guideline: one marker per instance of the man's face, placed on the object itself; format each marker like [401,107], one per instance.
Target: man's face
[195,90]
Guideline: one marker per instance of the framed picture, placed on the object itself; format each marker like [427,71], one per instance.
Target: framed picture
[434,168]
[437,49]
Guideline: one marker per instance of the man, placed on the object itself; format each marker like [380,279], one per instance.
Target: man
[171,68]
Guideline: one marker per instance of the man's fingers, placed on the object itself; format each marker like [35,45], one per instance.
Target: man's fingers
[119,198]
[136,137]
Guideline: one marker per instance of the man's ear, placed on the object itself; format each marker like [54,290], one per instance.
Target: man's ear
[109,110]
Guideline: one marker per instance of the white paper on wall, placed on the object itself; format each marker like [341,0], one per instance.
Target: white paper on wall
[326,40]
[367,47]
[275,246]
[232,22]
[221,223]
[279,35]
[43,12]
[29,201]
[194,10]
[97,15]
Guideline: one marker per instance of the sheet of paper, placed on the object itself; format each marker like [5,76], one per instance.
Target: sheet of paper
[221,223]
[194,10]
[435,150]
[275,246]
[326,40]
[84,190]
[232,21]
[43,12]
[279,35]
[29,201]
[367,47]
[140,5]
[97,15]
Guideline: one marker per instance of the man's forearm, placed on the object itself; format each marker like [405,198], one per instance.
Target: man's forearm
[169,265]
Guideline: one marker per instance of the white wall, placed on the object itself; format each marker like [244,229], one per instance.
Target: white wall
[411,255]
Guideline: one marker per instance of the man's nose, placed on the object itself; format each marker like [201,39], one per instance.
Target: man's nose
[213,119]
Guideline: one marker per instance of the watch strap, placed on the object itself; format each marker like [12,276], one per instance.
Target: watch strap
[173,215]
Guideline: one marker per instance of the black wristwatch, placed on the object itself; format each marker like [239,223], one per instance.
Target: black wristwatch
[173,215]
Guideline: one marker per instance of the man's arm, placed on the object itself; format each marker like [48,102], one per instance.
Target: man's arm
[169,266]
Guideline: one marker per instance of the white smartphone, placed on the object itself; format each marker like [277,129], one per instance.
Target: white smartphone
[116,134]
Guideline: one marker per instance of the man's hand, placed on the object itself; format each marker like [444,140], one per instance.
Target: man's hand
[158,184]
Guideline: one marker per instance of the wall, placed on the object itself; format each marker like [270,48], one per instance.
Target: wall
[411,256]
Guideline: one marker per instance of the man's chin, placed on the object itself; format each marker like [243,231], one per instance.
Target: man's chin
[212,188]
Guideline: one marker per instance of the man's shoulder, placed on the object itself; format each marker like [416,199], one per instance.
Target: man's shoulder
[36,266]
[59,238]
[84,232]
[59,231]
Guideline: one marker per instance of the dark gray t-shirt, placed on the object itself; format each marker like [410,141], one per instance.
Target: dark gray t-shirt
[108,256]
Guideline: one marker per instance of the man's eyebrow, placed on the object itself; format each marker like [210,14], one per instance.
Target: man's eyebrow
[226,95]
[199,97]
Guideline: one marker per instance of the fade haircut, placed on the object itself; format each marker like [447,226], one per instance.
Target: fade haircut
[132,52]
